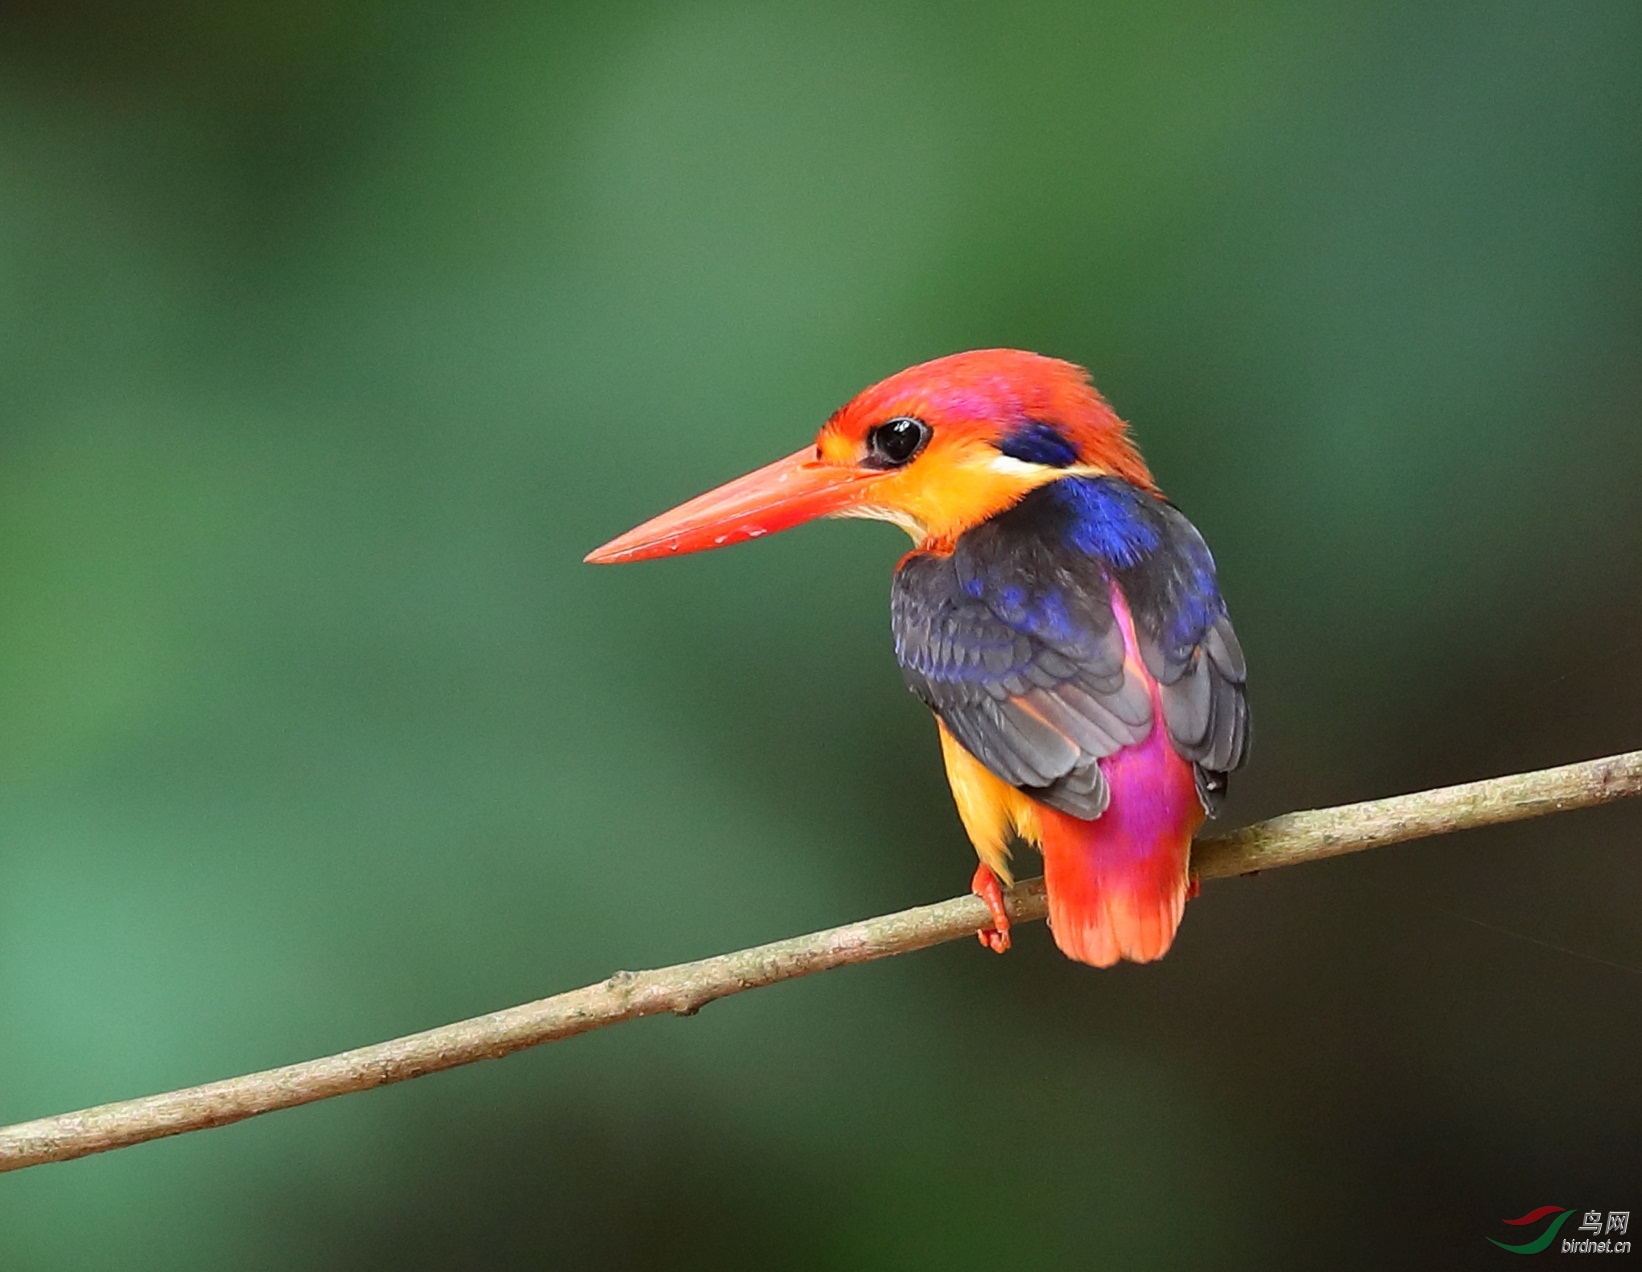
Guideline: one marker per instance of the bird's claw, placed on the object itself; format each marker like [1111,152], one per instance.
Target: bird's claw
[985,885]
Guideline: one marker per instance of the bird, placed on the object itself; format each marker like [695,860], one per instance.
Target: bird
[1062,620]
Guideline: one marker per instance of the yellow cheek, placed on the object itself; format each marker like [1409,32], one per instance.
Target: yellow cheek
[948,490]
[953,485]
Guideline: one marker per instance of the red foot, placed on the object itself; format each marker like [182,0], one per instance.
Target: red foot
[985,885]
[1193,887]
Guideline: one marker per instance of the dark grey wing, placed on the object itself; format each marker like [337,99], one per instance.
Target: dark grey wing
[1012,642]
[1187,642]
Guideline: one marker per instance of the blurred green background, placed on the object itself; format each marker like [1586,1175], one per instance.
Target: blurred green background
[334,332]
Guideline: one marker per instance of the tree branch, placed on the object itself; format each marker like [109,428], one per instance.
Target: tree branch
[687,987]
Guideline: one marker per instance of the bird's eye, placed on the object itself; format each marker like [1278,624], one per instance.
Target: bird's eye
[895,442]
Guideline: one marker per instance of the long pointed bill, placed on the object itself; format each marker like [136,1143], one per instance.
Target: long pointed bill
[786,493]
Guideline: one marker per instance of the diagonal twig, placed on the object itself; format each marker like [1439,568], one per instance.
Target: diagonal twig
[687,987]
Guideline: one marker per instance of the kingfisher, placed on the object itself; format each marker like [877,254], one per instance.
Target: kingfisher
[1061,619]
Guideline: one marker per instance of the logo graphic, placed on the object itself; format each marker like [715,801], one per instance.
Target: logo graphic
[1543,1239]
[1617,1221]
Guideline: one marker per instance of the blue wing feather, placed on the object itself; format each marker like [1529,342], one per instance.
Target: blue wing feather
[1012,640]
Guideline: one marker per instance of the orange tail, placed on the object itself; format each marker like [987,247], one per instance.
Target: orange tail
[1109,898]
[1117,885]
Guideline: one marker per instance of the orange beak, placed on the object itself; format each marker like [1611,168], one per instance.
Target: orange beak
[776,497]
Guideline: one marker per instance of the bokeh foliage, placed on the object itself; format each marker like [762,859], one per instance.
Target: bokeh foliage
[333,332]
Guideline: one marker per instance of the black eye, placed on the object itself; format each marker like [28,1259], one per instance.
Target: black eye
[895,442]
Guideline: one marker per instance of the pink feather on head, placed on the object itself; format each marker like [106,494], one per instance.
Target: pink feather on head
[994,390]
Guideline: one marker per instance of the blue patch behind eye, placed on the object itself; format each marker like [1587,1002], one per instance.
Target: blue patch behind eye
[1108,519]
[1038,443]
